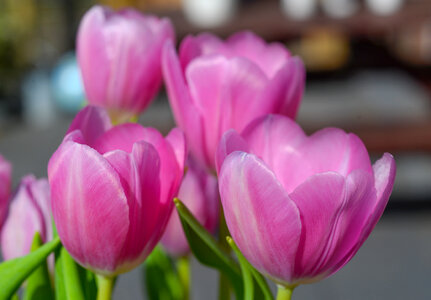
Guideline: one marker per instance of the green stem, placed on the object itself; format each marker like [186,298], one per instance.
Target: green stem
[224,287]
[183,267]
[284,293]
[105,286]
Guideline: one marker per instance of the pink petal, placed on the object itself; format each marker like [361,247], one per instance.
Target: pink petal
[178,143]
[276,140]
[202,44]
[331,149]
[24,219]
[359,203]
[92,55]
[231,141]
[286,87]
[384,177]
[225,91]
[89,206]
[40,192]
[269,57]
[192,195]
[121,137]
[5,184]
[262,219]
[137,171]
[92,121]
[186,115]
[319,200]
[119,54]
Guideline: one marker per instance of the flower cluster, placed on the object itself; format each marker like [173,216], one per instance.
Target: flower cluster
[298,207]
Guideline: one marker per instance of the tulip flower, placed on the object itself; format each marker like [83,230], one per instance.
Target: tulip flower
[112,190]
[5,182]
[119,55]
[30,212]
[298,207]
[199,192]
[214,86]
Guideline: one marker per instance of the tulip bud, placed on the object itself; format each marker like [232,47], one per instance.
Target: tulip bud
[214,86]
[30,212]
[298,207]
[112,190]
[119,55]
[199,193]
[5,182]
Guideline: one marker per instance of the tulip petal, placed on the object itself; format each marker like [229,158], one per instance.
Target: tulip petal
[331,149]
[225,91]
[89,206]
[231,141]
[142,190]
[359,203]
[319,200]
[276,140]
[178,143]
[92,55]
[286,87]
[121,137]
[384,178]
[269,57]
[186,115]
[191,194]
[267,232]
[40,192]
[202,44]
[5,184]
[23,220]
[92,121]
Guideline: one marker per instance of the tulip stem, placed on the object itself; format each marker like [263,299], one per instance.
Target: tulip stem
[105,286]
[224,287]
[284,293]
[183,267]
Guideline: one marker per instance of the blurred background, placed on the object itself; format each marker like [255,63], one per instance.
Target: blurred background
[369,72]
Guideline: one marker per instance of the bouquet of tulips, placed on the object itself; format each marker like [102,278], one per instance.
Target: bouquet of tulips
[238,183]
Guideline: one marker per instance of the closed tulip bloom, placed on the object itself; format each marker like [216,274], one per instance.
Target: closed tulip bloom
[112,190]
[300,207]
[5,182]
[199,192]
[214,86]
[119,55]
[29,212]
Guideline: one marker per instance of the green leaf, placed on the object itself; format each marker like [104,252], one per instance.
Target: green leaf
[251,277]
[39,283]
[161,280]
[70,280]
[246,274]
[207,250]
[17,270]
[72,283]
[88,281]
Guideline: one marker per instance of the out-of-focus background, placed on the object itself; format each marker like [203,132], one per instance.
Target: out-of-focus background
[369,72]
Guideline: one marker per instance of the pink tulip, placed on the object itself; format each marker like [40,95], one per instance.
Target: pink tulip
[119,54]
[112,190]
[30,212]
[5,182]
[299,207]
[199,193]
[215,86]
